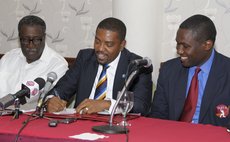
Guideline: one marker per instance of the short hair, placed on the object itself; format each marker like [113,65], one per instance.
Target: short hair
[32,20]
[202,26]
[114,25]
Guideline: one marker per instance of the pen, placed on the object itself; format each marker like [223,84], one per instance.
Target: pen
[56,94]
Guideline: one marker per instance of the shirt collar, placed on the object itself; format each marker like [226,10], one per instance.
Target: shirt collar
[45,54]
[43,57]
[114,63]
[207,65]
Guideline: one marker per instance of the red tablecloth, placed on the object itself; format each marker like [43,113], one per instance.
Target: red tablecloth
[142,130]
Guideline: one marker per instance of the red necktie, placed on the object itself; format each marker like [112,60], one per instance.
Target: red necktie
[191,100]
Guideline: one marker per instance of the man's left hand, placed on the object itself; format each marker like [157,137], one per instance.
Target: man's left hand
[89,106]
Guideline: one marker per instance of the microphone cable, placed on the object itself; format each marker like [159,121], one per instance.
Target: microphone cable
[24,123]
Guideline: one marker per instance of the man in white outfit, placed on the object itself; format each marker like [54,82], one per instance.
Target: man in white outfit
[34,59]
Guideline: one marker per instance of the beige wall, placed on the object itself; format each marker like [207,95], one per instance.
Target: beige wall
[157,40]
[151,24]
[70,23]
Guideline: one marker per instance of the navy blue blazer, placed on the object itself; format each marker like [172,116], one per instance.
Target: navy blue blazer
[80,77]
[170,93]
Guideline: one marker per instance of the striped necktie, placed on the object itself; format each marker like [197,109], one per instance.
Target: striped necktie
[101,87]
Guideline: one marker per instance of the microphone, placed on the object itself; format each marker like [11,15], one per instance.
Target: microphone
[51,77]
[34,87]
[29,88]
[146,62]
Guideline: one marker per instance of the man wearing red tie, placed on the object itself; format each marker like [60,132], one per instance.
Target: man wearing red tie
[195,86]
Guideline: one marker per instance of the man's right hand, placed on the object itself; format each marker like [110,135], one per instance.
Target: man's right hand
[55,104]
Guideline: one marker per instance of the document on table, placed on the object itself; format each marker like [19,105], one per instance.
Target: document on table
[66,111]
[89,136]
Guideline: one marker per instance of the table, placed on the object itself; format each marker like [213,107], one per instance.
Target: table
[142,130]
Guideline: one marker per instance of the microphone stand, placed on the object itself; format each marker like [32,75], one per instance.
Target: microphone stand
[114,129]
[16,110]
[17,102]
[41,106]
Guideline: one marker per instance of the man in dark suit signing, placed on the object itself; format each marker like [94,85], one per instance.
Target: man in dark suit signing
[195,40]
[81,80]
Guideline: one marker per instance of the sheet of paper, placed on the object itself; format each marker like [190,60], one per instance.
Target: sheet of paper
[106,112]
[30,110]
[88,136]
[66,111]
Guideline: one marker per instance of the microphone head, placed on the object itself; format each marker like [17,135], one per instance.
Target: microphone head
[41,82]
[33,87]
[29,89]
[149,62]
[146,62]
[51,77]
[6,101]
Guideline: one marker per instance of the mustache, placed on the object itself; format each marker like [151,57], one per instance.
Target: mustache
[100,52]
[31,49]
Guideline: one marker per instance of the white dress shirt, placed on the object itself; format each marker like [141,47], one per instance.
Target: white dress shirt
[14,70]
[111,71]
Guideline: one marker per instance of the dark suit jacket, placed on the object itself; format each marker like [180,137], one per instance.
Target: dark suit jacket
[80,77]
[170,93]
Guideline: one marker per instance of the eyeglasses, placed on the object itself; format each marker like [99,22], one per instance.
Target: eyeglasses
[35,41]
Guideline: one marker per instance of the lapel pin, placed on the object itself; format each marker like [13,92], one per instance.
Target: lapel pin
[222,111]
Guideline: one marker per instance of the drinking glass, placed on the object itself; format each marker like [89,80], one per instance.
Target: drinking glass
[125,105]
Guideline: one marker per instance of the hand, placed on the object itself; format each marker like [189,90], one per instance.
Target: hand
[55,104]
[89,106]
